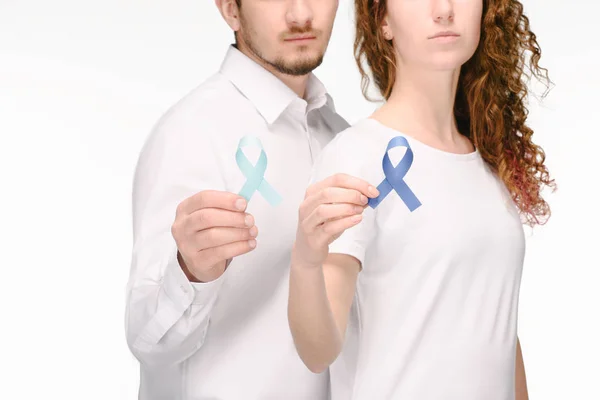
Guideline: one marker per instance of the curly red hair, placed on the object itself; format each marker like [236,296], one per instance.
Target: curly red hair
[490,104]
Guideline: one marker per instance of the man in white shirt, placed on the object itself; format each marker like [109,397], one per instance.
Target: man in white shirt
[207,294]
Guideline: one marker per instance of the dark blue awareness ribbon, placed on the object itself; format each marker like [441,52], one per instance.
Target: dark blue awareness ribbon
[394,176]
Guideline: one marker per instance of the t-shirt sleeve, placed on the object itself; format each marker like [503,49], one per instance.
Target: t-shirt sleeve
[348,156]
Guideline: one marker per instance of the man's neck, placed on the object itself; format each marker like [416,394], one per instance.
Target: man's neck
[295,83]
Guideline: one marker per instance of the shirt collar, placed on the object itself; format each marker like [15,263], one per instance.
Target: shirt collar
[269,95]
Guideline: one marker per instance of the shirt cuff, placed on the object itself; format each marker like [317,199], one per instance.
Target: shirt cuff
[181,291]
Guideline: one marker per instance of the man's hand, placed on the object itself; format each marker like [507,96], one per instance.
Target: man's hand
[210,228]
[329,208]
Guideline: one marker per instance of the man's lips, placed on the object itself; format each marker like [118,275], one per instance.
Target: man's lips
[300,38]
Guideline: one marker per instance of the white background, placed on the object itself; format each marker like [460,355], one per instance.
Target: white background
[82,83]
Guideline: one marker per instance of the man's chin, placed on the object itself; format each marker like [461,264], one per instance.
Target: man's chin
[298,66]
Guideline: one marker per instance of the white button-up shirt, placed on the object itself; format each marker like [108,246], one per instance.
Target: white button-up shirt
[227,339]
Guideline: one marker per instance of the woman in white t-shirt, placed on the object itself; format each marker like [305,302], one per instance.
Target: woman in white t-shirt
[415,295]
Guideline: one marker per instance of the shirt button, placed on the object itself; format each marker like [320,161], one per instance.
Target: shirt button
[183,288]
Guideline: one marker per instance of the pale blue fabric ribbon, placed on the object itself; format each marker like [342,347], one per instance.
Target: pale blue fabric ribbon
[255,174]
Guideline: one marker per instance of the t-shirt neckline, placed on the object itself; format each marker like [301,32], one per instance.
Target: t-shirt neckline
[455,156]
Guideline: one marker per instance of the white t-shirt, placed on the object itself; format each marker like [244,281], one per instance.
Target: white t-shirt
[435,312]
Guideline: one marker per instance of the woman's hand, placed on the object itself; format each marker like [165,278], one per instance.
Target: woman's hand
[329,208]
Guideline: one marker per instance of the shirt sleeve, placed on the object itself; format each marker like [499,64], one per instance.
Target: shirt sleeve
[349,155]
[166,315]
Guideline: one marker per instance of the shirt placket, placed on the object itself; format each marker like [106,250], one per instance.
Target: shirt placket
[302,115]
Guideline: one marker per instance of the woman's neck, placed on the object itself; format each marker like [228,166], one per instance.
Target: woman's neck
[422,105]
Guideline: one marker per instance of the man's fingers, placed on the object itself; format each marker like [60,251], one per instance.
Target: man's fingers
[215,237]
[214,217]
[344,181]
[215,255]
[212,199]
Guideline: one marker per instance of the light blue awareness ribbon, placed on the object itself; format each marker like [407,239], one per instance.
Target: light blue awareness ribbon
[255,174]
[394,176]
